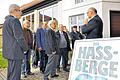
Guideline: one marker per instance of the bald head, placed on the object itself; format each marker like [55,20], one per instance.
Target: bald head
[61,28]
[93,9]
[91,12]
[45,25]
[26,24]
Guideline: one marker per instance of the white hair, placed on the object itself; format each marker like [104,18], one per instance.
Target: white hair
[12,7]
[50,22]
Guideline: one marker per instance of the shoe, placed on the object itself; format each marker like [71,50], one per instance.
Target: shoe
[68,64]
[30,73]
[56,75]
[24,76]
[46,78]
[42,72]
[58,70]
[34,66]
[66,70]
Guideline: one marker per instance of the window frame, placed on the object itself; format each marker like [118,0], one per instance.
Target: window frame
[77,21]
[78,1]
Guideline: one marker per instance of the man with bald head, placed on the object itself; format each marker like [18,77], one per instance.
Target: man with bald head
[93,26]
[13,42]
[26,70]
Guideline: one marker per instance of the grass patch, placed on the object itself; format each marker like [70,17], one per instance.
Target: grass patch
[3,62]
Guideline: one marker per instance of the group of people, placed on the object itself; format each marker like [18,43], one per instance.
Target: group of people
[51,44]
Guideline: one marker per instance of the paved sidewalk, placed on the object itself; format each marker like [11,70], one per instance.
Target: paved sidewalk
[37,76]
[2,74]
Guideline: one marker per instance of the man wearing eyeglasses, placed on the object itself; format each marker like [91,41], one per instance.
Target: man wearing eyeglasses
[93,26]
[14,44]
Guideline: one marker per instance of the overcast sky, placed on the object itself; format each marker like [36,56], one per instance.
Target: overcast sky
[4,5]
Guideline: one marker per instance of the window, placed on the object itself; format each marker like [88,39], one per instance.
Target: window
[76,20]
[80,19]
[30,18]
[73,20]
[55,13]
[41,14]
[78,1]
[48,14]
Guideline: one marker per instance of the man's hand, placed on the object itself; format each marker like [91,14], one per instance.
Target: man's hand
[54,52]
[40,49]
[25,52]
[85,21]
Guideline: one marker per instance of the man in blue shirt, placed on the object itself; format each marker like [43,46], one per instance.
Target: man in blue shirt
[40,40]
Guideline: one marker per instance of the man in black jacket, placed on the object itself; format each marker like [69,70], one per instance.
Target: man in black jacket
[93,26]
[75,35]
[64,46]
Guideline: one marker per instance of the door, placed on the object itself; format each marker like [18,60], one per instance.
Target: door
[114,23]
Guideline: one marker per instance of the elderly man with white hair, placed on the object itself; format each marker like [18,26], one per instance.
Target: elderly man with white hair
[52,50]
[13,42]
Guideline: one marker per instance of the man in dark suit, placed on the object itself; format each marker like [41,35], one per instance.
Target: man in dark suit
[13,42]
[93,26]
[52,51]
[64,45]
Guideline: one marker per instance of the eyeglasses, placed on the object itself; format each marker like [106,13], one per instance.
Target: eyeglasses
[17,10]
[89,12]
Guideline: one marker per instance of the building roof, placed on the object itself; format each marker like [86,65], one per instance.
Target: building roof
[30,4]
[36,4]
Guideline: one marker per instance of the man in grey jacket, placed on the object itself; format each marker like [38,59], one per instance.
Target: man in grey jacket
[52,50]
[13,42]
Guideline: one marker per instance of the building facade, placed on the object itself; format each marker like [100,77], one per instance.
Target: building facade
[73,12]
[44,10]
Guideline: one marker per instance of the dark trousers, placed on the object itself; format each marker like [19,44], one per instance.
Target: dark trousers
[35,58]
[14,69]
[43,60]
[64,55]
[26,63]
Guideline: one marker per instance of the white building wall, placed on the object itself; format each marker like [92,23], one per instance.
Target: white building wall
[60,12]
